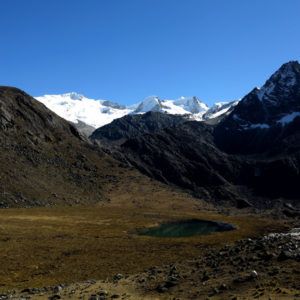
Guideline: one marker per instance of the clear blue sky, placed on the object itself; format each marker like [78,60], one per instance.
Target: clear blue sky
[125,50]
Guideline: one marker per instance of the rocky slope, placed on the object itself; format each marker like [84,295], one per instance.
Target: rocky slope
[44,160]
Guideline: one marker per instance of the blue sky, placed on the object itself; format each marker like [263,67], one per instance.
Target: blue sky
[125,50]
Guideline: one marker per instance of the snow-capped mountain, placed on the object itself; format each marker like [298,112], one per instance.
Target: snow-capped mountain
[97,113]
[271,97]
[181,106]
[151,103]
[74,107]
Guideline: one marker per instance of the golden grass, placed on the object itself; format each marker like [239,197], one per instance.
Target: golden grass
[47,246]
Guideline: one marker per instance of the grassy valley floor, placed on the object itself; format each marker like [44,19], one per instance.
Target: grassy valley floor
[49,246]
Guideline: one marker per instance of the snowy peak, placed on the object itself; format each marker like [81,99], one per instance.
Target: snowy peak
[74,107]
[191,104]
[151,103]
[181,106]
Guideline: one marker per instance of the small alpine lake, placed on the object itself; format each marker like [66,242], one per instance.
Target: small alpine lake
[186,228]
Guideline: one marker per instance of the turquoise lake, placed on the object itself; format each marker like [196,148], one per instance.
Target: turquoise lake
[186,228]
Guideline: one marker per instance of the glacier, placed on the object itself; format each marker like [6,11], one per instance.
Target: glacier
[76,108]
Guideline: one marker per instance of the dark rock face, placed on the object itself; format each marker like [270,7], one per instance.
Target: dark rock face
[253,152]
[186,156]
[132,126]
[183,148]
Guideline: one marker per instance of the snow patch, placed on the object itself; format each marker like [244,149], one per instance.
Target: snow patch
[288,118]
[247,125]
[262,126]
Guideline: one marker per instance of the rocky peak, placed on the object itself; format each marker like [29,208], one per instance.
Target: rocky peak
[285,82]
[263,114]
[277,98]
[287,74]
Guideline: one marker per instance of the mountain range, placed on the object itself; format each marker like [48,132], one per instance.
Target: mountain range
[244,153]
[96,113]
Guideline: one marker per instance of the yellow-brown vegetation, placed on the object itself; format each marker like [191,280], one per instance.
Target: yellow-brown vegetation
[47,246]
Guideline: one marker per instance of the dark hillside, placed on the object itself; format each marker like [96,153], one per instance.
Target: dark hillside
[251,156]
